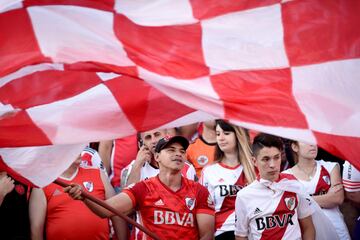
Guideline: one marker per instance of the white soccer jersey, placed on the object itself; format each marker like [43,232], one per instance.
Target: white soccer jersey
[320,184]
[91,158]
[351,178]
[265,213]
[223,183]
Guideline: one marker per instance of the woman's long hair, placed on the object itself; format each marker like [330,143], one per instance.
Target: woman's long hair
[242,146]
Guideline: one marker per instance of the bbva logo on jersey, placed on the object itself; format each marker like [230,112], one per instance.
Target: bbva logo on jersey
[173,218]
[89,186]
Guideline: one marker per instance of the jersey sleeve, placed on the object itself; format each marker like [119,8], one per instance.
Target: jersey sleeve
[329,166]
[305,207]
[351,178]
[205,203]
[242,223]
[191,173]
[136,193]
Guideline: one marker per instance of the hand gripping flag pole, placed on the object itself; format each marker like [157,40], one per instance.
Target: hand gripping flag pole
[108,207]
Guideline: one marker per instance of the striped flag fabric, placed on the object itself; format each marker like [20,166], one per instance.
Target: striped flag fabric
[73,71]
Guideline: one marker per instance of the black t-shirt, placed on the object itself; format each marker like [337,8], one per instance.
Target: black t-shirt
[14,214]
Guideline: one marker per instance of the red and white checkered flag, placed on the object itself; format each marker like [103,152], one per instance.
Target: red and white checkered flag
[79,71]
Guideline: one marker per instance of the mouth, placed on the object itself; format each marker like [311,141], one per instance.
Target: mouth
[178,160]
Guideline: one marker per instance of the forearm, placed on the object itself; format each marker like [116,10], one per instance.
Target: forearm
[240,238]
[308,234]
[354,197]
[120,227]
[97,209]
[37,233]
[207,236]
[135,174]
[326,201]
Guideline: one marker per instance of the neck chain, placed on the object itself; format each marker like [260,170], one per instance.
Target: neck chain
[309,175]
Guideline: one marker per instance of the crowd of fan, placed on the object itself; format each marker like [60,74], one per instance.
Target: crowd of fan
[221,156]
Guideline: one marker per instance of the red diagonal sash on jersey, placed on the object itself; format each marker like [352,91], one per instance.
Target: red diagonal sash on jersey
[280,213]
[228,205]
[324,183]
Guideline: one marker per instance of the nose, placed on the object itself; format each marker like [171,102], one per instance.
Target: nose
[271,163]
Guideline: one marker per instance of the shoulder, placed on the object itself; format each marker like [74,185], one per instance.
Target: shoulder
[211,167]
[250,189]
[329,166]
[288,171]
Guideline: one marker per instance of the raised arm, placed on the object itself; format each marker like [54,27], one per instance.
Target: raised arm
[37,213]
[144,155]
[105,149]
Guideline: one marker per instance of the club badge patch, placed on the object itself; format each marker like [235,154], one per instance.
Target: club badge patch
[190,203]
[202,160]
[290,203]
[89,186]
[326,179]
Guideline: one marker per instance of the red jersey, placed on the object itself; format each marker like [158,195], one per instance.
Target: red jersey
[169,214]
[70,219]
[124,151]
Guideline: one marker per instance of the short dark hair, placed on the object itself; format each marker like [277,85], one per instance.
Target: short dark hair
[266,140]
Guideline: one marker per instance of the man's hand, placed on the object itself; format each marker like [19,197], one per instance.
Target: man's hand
[144,155]
[74,191]
[6,184]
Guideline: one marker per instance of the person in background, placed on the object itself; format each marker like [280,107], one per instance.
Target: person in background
[116,155]
[201,151]
[263,209]
[145,166]
[54,213]
[231,171]
[14,215]
[351,182]
[322,180]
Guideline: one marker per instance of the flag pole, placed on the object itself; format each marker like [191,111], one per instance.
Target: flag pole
[108,207]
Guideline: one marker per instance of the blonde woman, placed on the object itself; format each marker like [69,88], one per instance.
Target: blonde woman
[231,171]
[322,180]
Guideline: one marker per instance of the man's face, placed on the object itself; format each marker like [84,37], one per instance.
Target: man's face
[268,161]
[151,138]
[305,151]
[172,157]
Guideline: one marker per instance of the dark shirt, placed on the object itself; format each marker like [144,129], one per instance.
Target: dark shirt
[14,214]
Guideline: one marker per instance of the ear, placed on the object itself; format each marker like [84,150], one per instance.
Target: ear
[254,161]
[294,147]
[156,156]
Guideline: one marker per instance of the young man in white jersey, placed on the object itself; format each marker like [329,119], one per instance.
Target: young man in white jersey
[265,211]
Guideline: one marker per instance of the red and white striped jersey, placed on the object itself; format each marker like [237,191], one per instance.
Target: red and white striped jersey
[170,214]
[223,183]
[91,158]
[265,213]
[351,178]
[319,185]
